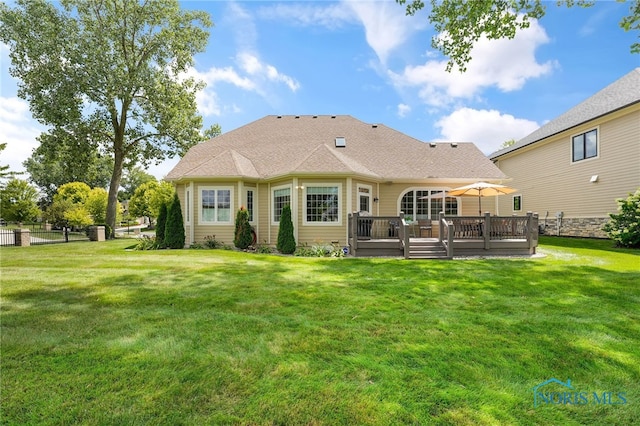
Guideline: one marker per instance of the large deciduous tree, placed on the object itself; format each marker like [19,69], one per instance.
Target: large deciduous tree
[459,24]
[116,67]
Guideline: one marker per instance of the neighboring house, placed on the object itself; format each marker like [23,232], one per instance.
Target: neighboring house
[324,167]
[575,167]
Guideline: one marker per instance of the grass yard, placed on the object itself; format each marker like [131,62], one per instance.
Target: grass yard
[94,334]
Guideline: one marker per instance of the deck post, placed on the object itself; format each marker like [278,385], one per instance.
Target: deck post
[353,232]
[532,235]
[403,231]
[486,231]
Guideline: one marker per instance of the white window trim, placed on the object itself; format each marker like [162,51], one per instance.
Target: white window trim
[304,202]
[215,222]
[273,204]
[427,188]
[188,199]
[598,146]
[370,195]
[255,201]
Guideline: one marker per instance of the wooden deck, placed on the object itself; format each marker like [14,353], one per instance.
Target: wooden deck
[374,236]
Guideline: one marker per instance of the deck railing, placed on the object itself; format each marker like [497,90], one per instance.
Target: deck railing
[479,234]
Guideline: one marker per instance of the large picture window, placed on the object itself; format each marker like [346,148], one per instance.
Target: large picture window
[427,204]
[281,198]
[216,205]
[585,145]
[322,204]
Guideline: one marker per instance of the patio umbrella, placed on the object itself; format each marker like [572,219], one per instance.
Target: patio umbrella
[481,189]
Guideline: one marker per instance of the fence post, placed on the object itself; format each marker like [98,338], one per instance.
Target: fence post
[96,233]
[22,237]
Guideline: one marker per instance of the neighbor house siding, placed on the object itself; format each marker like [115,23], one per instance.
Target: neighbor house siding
[549,181]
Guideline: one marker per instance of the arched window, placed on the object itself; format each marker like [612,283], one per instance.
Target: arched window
[427,203]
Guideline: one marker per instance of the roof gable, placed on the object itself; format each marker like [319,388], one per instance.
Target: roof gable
[275,146]
[621,93]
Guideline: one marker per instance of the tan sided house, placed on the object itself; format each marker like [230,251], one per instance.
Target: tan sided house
[324,167]
[574,168]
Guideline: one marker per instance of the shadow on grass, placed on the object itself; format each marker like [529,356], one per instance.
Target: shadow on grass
[363,341]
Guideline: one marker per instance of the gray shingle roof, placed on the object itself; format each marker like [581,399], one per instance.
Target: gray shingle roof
[276,146]
[619,94]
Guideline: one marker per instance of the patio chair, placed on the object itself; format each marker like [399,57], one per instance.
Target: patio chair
[424,226]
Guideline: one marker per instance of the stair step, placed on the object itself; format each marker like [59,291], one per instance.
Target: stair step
[427,250]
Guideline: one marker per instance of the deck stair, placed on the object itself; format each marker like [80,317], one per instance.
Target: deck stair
[427,249]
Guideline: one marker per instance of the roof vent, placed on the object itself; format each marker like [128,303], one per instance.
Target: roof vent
[432,144]
[297,116]
[279,116]
[333,116]
[454,144]
[315,116]
[341,142]
[375,126]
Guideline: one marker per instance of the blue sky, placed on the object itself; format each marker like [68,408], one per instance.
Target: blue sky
[368,60]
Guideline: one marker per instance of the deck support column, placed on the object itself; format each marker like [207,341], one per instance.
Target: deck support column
[486,231]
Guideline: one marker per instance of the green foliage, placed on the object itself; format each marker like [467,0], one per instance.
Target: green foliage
[210,242]
[161,224]
[147,243]
[624,227]
[64,157]
[78,205]
[77,216]
[148,198]
[286,240]
[319,250]
[174,236]
[242,236]
[214,131]
[75,192]
[459,24]
[18,201]
[112,74]
[132,179]
[96,205]
[5,173]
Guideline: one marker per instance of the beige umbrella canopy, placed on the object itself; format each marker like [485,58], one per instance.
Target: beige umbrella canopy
[480,189]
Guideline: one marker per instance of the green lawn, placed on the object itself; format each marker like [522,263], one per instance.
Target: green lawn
[94,334]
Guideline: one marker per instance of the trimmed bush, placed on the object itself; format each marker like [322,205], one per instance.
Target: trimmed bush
[286,240]
[174,236]
[161,224]
[242,237]
[624,227]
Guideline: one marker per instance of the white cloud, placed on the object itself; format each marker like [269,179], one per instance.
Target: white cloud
[252,65]
[403,110]
[19,131]
[488,129]
[386,25]
[249,72]
[331,16]
[505,64]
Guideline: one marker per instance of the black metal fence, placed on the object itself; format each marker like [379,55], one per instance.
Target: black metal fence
[39,235]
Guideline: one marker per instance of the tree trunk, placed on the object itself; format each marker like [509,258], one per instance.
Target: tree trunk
[112,200]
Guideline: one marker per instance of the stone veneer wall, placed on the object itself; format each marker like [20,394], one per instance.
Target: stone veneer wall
[589,227]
